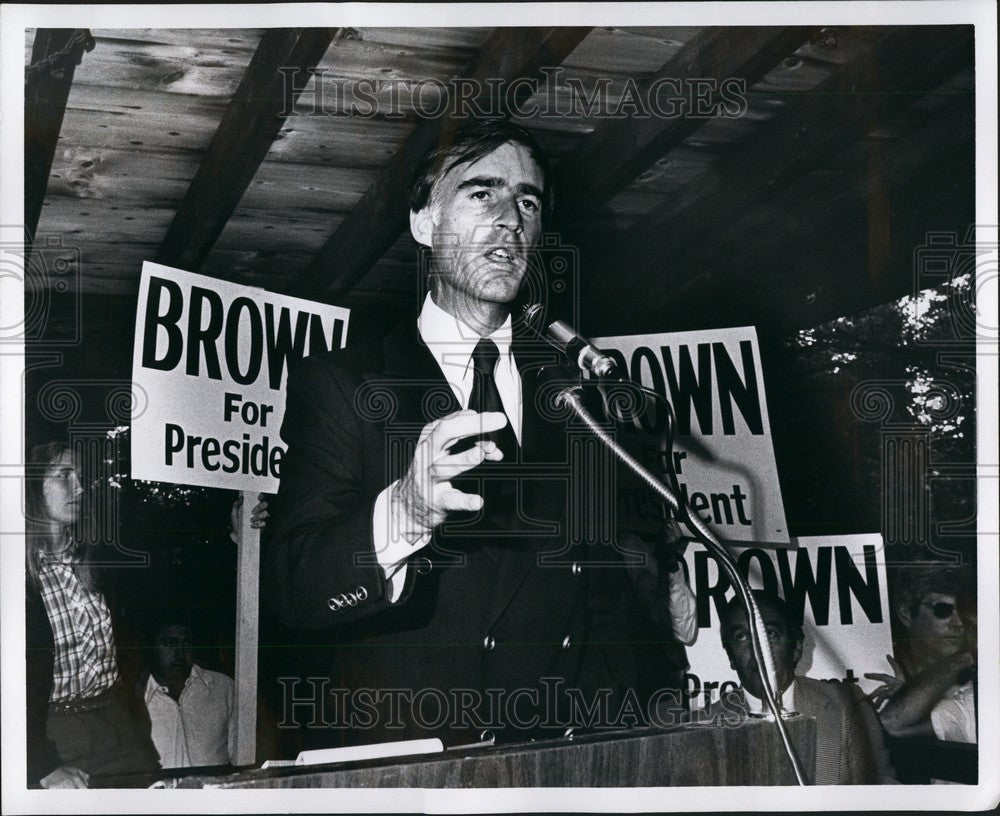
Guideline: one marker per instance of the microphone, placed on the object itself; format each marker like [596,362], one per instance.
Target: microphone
[578,349]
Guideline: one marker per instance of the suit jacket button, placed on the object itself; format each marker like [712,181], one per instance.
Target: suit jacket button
[333,603]
[362,593]
[576,569]
[489,643]
[424,565]
[567,642]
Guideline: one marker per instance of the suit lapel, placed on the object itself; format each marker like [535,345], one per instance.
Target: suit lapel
[809,697]
[536,431]
[413,376]
[812,700]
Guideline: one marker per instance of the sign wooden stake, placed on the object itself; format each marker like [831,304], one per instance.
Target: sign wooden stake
[247,597]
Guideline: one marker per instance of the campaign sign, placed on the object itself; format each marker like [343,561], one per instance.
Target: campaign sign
[838,583]
[722,453]
[211,358]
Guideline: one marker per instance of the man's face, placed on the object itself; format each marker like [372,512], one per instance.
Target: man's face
[784,650]
[934,630]
[174,656]
[482,221]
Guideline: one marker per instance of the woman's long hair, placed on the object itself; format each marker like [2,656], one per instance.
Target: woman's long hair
[38,528]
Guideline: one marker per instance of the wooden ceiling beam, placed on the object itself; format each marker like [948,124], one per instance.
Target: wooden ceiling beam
[830,220]
[619,149]
[900,65]
[55,54]
[248,128]
[381,215]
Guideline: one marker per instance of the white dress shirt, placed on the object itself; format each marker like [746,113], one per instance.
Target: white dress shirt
[452,343]
[756,706]
[196,730]
[954,717]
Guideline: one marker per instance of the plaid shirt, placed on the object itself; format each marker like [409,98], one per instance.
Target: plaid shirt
[85,662]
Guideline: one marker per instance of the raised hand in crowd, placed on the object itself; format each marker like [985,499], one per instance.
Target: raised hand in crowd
[909,709]
[258,516]
[659,584]
[891,683]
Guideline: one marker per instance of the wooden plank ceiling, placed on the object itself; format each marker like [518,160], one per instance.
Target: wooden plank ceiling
[175,145]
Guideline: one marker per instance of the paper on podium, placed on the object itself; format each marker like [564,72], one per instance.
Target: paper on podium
[378,750]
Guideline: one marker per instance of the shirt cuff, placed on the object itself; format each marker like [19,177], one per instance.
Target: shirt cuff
[396,538]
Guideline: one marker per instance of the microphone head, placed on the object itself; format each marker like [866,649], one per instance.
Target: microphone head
[533,314]
[557,334]
[564,337]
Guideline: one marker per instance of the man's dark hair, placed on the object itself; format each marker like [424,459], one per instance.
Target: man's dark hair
[913,584]
[159,616]
[734,611]
[468,144]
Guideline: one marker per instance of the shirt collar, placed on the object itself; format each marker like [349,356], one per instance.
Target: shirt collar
[152,687]
[757,706]
[451,341]
[61,555]
[197,675]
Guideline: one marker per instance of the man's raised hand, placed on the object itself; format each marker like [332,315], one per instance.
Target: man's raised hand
[425,493]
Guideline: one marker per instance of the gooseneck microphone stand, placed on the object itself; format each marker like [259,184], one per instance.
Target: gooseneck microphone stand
[569,396]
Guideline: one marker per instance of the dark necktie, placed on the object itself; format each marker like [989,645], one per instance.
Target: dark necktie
[492,480]
[486,396]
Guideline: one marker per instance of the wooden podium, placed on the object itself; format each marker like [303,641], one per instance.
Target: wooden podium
[691,755]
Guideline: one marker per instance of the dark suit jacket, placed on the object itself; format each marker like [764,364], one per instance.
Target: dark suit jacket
[490,611]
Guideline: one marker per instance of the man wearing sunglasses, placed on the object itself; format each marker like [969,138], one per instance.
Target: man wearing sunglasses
[933,693]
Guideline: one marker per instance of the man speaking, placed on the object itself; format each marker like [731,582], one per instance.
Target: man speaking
[421,517]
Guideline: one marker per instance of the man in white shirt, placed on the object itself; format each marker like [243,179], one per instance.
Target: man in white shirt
[190,707]
[849,744]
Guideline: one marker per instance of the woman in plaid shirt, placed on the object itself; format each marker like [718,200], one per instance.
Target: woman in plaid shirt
[80,720]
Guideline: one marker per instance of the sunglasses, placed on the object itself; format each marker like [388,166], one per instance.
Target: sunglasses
[941,609]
